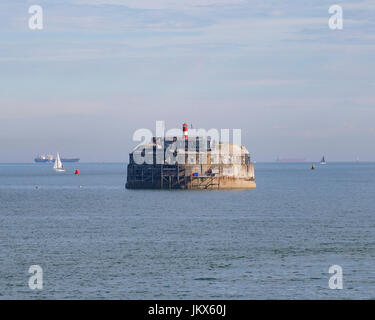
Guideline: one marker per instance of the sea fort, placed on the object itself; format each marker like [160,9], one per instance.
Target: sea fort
[190,162]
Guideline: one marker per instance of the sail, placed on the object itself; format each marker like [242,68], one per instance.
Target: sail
[323,160]
[57,164]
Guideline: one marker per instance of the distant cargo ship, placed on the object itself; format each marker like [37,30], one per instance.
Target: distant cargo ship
[48,158]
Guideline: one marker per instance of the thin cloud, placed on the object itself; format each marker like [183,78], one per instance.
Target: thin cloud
[160,4]
[271,82]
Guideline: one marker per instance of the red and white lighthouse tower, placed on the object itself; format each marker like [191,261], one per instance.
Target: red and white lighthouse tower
[185,130]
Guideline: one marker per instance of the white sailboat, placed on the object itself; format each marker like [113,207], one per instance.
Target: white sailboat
[57,166]
[323,161]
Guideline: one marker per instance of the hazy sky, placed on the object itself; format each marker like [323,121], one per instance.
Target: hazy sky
[100,69]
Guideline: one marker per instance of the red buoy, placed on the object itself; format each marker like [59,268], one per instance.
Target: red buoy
[77,172]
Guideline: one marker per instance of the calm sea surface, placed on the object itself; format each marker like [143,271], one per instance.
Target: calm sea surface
[102,241]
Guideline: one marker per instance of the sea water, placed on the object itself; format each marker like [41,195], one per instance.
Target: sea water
[94,239]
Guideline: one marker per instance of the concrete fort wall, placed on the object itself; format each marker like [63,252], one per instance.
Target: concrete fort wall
[199,176]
